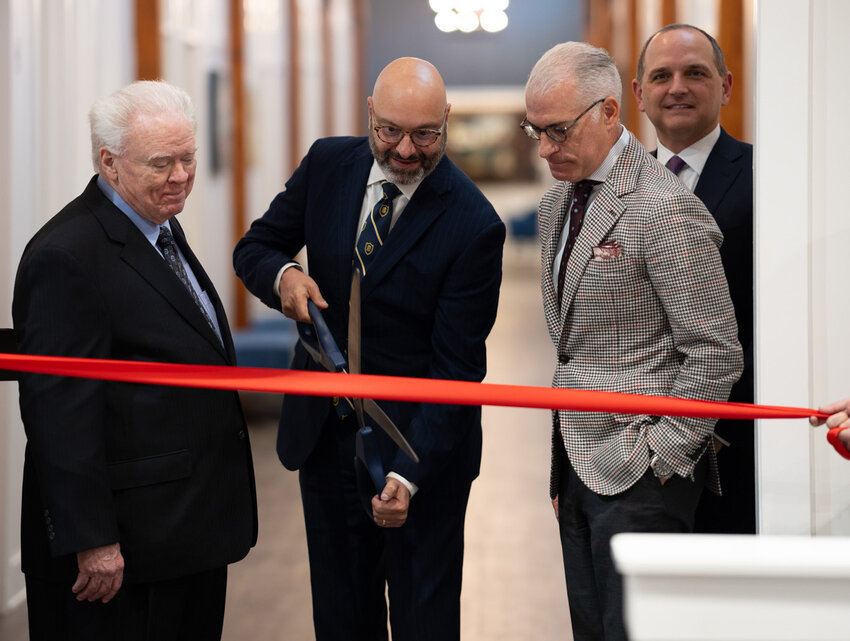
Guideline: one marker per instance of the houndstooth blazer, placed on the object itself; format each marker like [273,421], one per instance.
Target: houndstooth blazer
[648,313]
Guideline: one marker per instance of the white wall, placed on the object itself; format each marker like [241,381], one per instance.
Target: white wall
[802,230]
[55,60]
[195,43]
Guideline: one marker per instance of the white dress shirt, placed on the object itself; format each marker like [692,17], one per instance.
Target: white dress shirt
[694,156]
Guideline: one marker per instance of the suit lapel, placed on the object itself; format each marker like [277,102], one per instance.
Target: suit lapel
[139,254]
[720,171]
[549,241]
[207,286]
[598,221]
[347,191]
[421,212]
[604,212]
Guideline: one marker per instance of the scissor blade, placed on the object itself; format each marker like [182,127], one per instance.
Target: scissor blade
[354,339]
[386,423]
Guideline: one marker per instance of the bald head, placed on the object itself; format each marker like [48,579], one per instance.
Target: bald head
[410,84]
[409,101]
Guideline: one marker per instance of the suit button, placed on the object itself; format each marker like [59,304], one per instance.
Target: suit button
[51,535]
[241,435]
[563,358]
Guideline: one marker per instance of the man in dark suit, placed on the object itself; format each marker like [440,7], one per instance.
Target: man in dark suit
[135,497]
[429,298]
[682,82]
[636,302]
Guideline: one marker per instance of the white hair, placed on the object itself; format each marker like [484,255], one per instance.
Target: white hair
[110,117]
[591,69]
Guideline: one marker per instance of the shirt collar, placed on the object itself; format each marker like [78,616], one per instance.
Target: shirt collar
[601,173]
[148,228]
[376,175]
[696,155]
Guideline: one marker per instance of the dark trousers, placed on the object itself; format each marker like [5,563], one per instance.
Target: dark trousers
[186,608]
[735,511]
[588,520]
[353,562]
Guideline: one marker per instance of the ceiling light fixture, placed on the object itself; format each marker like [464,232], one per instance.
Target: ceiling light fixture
[470,15]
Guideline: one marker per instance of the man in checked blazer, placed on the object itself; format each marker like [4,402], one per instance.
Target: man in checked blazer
[682,82]
[644,308]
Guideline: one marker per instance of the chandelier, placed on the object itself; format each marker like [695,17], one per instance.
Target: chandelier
[470,15]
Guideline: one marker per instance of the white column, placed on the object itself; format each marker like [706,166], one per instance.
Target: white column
[55,60]
[802,232]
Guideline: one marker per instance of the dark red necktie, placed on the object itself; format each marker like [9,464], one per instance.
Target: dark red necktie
[577,208]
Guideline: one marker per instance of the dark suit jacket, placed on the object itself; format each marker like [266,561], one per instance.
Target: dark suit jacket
[429,298]
[726,188]
[165,471]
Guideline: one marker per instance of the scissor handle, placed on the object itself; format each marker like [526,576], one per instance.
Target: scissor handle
[832,437]
[325,338]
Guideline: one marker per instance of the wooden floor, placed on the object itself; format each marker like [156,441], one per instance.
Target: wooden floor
[513,575]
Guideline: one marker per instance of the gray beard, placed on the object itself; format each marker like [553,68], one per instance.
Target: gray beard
[402,176]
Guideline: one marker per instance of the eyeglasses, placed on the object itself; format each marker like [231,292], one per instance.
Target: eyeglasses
[419,137]
[557,134]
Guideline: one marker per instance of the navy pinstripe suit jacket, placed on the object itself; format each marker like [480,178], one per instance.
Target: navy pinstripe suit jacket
[428,300]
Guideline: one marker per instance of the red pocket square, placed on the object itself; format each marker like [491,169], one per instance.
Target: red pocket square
[608,249]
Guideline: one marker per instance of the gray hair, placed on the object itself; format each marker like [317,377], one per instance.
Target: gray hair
[592,70]
[110,117]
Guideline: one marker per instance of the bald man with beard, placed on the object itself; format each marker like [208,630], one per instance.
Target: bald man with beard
[429,296]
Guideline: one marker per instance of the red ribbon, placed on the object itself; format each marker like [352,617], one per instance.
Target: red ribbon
[391,388]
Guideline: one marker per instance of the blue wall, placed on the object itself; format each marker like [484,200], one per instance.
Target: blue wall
[406,28]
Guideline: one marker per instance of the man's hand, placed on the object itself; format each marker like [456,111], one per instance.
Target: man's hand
[717,444]
[390,508]
[101,573]
[295,289]
[839,417]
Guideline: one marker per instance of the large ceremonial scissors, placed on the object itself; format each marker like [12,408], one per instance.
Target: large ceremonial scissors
[320,344]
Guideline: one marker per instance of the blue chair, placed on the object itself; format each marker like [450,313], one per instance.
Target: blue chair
[268,342]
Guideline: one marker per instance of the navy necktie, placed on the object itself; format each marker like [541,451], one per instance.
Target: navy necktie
[376,228]
[676,164]
[168,247]
[577,208]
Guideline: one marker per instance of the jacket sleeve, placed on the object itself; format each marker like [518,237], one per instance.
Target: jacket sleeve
[683,264]
[58,312]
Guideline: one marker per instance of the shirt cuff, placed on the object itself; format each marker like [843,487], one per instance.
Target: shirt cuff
[276,287]
[412,488]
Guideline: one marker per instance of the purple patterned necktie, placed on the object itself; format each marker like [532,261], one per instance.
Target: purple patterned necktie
[676,164]
[168,247]
[577,208]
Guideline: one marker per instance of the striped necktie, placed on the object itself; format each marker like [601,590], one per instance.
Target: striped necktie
[376,228]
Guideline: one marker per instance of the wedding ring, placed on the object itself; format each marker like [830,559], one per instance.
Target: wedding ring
[383,523]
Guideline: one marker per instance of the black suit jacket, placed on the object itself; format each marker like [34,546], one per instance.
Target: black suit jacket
[165,471]
[726,188]
[428,300]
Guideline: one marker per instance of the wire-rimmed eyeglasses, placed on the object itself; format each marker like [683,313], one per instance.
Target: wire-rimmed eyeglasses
[555,133]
